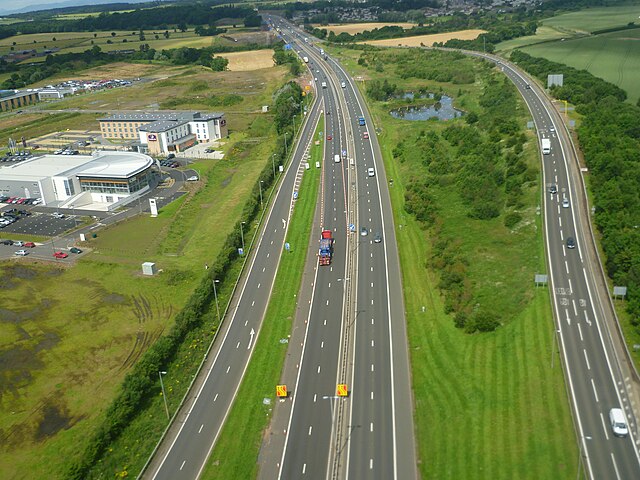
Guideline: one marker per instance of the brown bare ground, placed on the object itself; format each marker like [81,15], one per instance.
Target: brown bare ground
[352,28]
[427,40]
[251,60]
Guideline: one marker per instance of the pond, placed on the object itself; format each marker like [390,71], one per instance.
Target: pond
[442,110]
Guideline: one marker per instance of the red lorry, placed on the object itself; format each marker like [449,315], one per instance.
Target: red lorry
[326,248]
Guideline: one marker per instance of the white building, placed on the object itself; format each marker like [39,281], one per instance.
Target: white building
[102,181]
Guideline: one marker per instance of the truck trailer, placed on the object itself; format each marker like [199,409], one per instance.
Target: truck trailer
[546,146]
[326,248]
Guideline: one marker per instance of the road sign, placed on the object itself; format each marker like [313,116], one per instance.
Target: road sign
[295,195]
[281,391]
[287,246]
[342,390]
[352,227]
[240,251]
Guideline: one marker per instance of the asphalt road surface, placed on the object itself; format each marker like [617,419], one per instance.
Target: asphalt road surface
[594,376]
[185,449]
[356,330]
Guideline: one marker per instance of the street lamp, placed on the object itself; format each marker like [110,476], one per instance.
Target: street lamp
[215,294]
[294,125]
[260,185]
[242,235]
[164,396]
[273,164]
[73,211]
[286,150]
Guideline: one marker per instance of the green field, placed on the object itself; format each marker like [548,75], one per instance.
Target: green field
[592,19]
[70,335]
[615,57]
[487,406]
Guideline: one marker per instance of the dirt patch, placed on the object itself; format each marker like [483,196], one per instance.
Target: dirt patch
[352,28]
[251,60]
[54,418]
[427,40]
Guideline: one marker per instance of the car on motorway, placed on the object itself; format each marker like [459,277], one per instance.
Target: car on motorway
[364,232]
[618,422]
[565,203]
[365,135]
[528,87]
[571,243]
[377,238]
[552,129]
[329,137]
[371,172]
[60,254]
[22,253]
[344,85]
[553,189]
[75,250]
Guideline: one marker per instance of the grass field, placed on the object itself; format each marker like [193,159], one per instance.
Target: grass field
[614,57]
[353,28]
[591,19]
[499,388]
[235,455]
[69,336]
[427,40]
[247,61]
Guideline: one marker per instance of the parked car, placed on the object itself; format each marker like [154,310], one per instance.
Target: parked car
[193,178]
[19,243]
[60,255]
[75,250]
[29,245]
[22,253]
[6,242]
[58,214]
[170,156]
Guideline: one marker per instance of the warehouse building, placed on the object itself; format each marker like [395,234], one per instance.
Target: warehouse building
[102,181]
[164,132]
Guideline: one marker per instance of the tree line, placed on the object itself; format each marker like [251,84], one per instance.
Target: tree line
[609,137]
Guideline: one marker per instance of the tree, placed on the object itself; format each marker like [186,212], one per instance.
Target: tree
[113,34]
[219,64]
[182,27]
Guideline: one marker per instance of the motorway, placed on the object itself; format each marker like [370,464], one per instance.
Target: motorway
[593,373]
[356,328]
[184,450]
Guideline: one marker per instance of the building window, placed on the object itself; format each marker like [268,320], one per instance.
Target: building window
[68,188]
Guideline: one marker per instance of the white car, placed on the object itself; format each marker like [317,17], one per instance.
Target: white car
[193,178]
[58,215]
[552,129]
[565,203]
[22,253]
[371,172]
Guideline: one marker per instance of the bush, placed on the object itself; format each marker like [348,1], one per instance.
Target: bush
[512,219]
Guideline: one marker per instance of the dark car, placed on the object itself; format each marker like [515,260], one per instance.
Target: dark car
[170,156]
[571,243]
[75,250]
[6,242]
[553,189]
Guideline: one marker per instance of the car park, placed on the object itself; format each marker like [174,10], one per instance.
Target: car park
[60,255]
[22,253]
[75,250]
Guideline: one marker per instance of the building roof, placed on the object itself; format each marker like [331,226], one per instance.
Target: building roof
[156,116]
[101,164]
[162,126]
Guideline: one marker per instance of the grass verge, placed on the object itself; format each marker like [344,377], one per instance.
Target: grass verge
[235,454]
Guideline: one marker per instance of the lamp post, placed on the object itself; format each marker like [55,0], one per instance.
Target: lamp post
[242,235]
[294,125]
[73,211]
[215,295]
[286,150]
[260,185]
[164,396]
[273,164]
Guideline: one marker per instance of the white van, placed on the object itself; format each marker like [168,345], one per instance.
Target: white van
[344,85]
[618,422]
[336,158]
[371,172]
